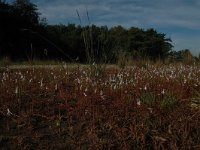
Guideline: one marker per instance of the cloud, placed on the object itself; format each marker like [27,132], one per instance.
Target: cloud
[180,13]
[180,16]
[143,13]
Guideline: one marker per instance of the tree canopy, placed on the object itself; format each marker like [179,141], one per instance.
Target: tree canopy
[22,15]
[24,36]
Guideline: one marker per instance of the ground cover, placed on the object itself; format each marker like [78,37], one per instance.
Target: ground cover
[146,107]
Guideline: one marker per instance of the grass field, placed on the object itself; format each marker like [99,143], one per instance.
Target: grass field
[63,107]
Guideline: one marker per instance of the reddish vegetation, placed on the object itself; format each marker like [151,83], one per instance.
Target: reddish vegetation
[135,108]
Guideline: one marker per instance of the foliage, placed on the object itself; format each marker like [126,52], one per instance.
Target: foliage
[24,35]
[182,55]
[19,22]
[26,12]
[27,36]
[103,44]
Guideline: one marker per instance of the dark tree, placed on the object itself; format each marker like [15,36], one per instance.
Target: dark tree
[135,42]
[5,28]
[27,13]
[23,35]
[157,46]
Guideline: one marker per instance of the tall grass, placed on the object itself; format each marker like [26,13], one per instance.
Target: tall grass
[97,58]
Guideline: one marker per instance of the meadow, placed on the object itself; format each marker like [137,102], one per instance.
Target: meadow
[137,107]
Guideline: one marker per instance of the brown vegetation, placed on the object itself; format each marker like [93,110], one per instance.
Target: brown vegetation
[147,107]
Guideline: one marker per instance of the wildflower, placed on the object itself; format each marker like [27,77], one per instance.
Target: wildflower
[9,112]
[121,82]
[150,109]
[56,87]
[185,81]
[87,112]
[21,77]
[101,93]
[138,102]
[79,81]
[163,91]
[41,83]
[16,90]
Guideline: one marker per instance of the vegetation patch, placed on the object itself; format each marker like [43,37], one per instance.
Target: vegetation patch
[137,107]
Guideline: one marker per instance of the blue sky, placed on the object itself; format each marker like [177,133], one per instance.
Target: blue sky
[178,19]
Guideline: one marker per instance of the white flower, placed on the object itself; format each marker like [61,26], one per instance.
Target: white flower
[145,87]
[41,83]
[87,112]
[150,109]
[103,97]
[84,94]
[138,102]
[16,90]
[79,81]
[56,87]
[30,80]
[185,81]
[101,93]
[163,91]
[8,112]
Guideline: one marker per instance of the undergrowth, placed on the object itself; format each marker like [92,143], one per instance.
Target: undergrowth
[134,108]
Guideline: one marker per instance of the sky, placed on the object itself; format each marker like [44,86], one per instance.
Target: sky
[178,19]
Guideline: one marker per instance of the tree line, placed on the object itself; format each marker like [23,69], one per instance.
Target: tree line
[24,35]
